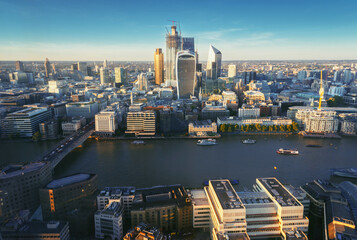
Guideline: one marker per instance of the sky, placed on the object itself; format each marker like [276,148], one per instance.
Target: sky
[131,30]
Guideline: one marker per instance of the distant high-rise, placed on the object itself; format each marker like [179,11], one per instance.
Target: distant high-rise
[74,67]
[82,67]
[104,76]
[120,75]
[20,66]
[173,45]
[142,82]
[159,66]
[47,68]
[53,68]
[188,43]
[105,63]
[186,74]
[232,71]
[214,63]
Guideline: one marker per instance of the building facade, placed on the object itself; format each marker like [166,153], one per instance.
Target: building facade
[173,45]
[109,222]
[185,74]
[214,62]
[82,109]
[141,123]
[159,66]
[120,75]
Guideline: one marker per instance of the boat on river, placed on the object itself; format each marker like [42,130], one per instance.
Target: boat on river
[206,142]
[287,151]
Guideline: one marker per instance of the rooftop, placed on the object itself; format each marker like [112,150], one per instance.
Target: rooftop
[16,170]
[199,197]
[279,192]
[256,198]
[62,182]
[226,194]
[114,191]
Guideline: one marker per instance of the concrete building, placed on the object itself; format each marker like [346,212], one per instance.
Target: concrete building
[19,186]
[35,230]
[57,87]
[141,123]
[337,91]
[213,112]
[232,71]
[68,128]
[202,128]
[201,209]
[226,209]
[82,109]
[82,67]
[188,43]
[63,195]
[185,74]
[166,207]
[267,121]
[109,222]
[254,97]
[106,122]
[24,122]
[319,121]
[248,111]
[142,82]
[159,66]
[49,130]
[348,123]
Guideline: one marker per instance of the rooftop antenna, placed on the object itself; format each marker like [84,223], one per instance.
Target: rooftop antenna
[173,22]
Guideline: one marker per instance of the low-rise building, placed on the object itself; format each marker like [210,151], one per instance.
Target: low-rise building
[348,123]
[69,128]
[267,121]
[201,209]
[213,112]
[109,222]
[141,123]
[248,111]
[254,96]
[144,231]
[202,128]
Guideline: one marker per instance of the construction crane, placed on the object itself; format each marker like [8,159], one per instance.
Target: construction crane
[173,22]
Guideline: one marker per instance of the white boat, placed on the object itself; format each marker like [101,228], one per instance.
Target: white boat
[206,142]
[249,141]
[138,142]
[287,151]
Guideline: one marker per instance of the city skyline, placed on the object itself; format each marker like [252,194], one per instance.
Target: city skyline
[122,31]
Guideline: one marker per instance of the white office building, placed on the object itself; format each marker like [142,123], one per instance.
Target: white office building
[248,111]
[232,71]
[104,76]
[201,209]
[106,122]
[109,222]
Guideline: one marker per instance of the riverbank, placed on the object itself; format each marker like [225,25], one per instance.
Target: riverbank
[317,135]
[153,137]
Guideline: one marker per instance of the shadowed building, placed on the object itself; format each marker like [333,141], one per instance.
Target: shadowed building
[186,74]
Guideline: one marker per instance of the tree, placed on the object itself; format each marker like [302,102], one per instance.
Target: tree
[222,127]
[282,128]
[264,128]
[258,127]
[270,128]
[275,128]
[336,101]
[236,127]
[289,128]
[295,126]
[242,128]
[230,127]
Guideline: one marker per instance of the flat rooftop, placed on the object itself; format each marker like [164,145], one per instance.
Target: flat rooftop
[199,197]
[226,194]
[114,191]
[16,170]
[62,182]
[279,192]
[255,198]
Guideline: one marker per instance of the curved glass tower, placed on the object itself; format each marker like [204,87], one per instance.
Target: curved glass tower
[185,74]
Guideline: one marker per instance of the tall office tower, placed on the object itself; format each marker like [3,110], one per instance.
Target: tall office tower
[47,68]
[19,186]
[142,82]
[159,66]
[63,195]
[104,76]
[214,63]
[105,63]
[20,66]
[82,67]
[347,75]
[53,68]
[109,221]
[120,75]
[188,43]
[74,67]
[185,74]
[232,71]
[173,45]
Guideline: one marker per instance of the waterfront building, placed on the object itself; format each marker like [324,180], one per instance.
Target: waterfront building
[173,45]
[248,111]
[336,91]
[232,71]
[68,128]
[49,130]
[317,121]
[54,230]
[166,207]
[254,96]
[213,112]
[19,66]
[24,122]
[58,109]
[159,66]
[82,109]
[120,75]
[109,222]
[188,43]
[61,196]
[226,209]
[214,61]
[348,123]
[202,128]
[350,98]
[269,110]
[264,121]
[201,209]
[47,68]
[106,122]
[185,74]
[104,76]
[19,186]
[141,123]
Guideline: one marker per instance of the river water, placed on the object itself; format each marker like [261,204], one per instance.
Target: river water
[159,162]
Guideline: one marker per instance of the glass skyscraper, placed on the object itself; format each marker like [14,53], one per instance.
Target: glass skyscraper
[214,63]
[188,43]
[186,74]
[173,45]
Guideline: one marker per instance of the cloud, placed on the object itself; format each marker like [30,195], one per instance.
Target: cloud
[216,34]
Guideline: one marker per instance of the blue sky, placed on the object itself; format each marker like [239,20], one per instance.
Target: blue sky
[131,30]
